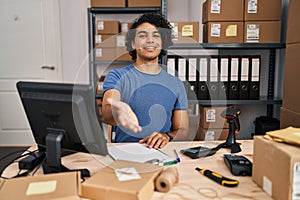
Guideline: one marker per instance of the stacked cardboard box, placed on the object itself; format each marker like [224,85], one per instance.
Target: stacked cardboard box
[212,125]
[241,21]
[185,32]
[262,21]
[290,111]
[222,21]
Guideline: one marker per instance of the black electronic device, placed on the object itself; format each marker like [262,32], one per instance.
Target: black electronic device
[63,120]
[199,152]
[238,165]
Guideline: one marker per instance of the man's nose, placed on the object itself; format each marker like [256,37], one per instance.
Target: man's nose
[150,38]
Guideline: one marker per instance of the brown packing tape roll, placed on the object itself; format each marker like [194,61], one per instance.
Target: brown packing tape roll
[166,179]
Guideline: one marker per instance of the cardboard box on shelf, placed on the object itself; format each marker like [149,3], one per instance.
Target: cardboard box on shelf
[262,10]
[276,168]
[291,97]
[229,10]
[223,32]
[108,3]
[50,186]
[107,27]
[144,3]
[105,40]
[293,25]
[262,32]
[105,54]
[289,118]
[210,117]
[185,32]
[212,134]
[122,54]
[106,184]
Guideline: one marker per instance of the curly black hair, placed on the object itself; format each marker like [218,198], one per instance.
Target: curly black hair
[158,20]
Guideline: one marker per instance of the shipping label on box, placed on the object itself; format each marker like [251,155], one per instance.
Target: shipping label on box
[252,33]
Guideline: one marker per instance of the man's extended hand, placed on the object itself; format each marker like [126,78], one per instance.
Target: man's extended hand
[124,115]
[156,140]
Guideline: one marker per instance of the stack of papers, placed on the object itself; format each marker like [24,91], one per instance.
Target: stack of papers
[289,135]
[140,153]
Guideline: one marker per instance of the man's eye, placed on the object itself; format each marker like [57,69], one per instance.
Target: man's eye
[142,35]
[157,35]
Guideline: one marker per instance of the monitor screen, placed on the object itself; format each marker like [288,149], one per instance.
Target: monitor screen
[65,113]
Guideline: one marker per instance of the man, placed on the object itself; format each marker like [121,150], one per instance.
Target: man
[144,102]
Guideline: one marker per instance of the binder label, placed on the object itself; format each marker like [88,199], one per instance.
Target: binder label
[214,70]
[224,69]
[215,6]
[234,69]
[245,69]
[171,66]
[181,69]
[211,115]
[255,69]
[215,30]
[203,69]
[192,69]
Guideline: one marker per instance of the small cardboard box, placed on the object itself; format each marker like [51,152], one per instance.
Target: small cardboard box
[210,117]
[108,3]
[229,10]
[185,32]
[105,40]
[105,54]
[212,134]
[293,25]
[107,27]
[276,168]
[105,185]
[262,10]
[262,32]
[144,3]
[61,186]
[223,32]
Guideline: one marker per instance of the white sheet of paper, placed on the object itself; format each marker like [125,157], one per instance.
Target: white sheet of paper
[137,153]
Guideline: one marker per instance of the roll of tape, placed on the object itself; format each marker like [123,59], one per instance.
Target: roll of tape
[166,179]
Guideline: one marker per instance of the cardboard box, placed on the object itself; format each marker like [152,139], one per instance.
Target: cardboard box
[262,10]
[185,32]
[228,10]
[105,40]
[293,25]
[107,27]
[223,32]
[289,118]
[51,186]
[108,3]
[143,3]
[291,96]
[122,54]
[262,32]
[105,184]
[105,54]
[276,168]
[212,134]
[210,117]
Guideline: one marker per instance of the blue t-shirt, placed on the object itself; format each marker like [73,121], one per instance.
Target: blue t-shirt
[152,97]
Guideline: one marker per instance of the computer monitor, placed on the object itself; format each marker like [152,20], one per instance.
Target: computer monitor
[63,120]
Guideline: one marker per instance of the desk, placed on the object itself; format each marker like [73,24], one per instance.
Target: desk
[189,179]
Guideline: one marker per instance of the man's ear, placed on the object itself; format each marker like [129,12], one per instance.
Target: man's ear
[132,45]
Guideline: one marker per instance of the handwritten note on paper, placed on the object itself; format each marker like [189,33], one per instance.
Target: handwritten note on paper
[137,153]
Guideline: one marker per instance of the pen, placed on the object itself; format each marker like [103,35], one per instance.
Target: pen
[218,178]
[177,156]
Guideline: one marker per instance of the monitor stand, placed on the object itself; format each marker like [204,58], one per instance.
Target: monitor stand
[52,163]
